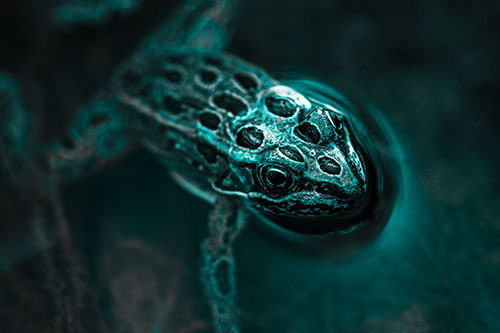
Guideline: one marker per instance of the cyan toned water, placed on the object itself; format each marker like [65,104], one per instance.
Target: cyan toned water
[429,67]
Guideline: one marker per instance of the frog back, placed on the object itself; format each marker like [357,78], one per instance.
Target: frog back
[183,104]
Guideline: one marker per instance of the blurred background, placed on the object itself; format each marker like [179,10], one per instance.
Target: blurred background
[431,67]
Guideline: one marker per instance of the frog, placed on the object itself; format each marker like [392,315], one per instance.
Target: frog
[225,129]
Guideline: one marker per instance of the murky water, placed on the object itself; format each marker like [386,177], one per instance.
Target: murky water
[429,68]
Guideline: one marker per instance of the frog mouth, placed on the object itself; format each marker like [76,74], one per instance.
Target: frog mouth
[299,204]
[311,213]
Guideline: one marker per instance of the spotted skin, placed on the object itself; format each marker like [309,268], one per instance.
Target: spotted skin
[230,127]
[228,132]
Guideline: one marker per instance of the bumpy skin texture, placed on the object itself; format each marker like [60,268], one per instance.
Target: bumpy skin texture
[231,129]
[233,132]
[227,130]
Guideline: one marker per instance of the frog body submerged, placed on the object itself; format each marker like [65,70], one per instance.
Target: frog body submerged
[230,128]
[228,132]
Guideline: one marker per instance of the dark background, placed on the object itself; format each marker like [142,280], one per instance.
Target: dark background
[430,66]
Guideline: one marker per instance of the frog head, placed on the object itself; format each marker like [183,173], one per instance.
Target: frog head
[298,161]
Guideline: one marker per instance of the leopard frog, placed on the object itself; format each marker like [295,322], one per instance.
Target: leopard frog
[228,132]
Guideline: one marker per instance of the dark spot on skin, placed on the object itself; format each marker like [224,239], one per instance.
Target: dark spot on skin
[230,104]
[193,103]
[280,106]
[292,153]
[210,120]
[246,81]
[208,152]
[67,142]
[250,137]
[212,61]
[308,132]
[208,76]
[172,76]
[329,165]
[98,119]
[175,106]
[172,105]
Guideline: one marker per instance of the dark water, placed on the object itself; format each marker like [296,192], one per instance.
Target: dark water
[430,66]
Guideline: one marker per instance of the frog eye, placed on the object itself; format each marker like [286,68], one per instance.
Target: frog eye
[280,106]
[275,178]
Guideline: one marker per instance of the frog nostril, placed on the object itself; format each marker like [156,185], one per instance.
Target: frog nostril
[325,188]
[329,165]
[308,132]
[308,186]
